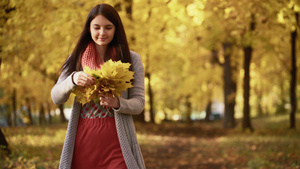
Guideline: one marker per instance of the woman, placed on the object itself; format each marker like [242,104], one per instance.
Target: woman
[101,135]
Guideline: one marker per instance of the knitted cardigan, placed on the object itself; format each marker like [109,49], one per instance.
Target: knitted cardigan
[131,103]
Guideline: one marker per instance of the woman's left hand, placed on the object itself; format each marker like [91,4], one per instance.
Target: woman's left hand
[108,100]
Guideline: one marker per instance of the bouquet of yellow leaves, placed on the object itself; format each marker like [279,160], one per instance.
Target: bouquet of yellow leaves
[112,78]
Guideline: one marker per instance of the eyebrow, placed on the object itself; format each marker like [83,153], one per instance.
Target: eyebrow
[105,25]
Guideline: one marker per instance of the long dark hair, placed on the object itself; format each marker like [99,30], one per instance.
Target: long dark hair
[117,49]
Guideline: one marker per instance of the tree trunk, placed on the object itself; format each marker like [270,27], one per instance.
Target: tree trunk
[259,106]
[293,77]
[3,144]
[188,110]
[140,117]
[208,111]
[62,114]
[246,112]
[14,107]
[49,112]
[150,94]
[28,104]
[246,124]
[128,10]
[42,114]
[229,88]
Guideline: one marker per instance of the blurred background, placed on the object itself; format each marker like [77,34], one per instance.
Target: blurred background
[230,61]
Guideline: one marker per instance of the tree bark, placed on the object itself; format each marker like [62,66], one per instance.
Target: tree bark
[150,94]
[0,61]
[259,106]
[14,107]
[229,88]
[248,50]
[293,82]
[208,111]
[42,114]
[28,105]
[49,112]
[3,143]
[188,110]
[246,112]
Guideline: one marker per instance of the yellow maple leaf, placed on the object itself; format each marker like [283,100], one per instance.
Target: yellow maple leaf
[113,78]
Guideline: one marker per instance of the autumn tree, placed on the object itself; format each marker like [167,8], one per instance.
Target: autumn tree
[146,18]
[193,53]
[224,37]
[5,11]
[293,84]
[288,16]
[3,145]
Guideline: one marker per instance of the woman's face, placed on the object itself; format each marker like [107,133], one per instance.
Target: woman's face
[102,30]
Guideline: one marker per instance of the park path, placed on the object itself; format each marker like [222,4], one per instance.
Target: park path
[181,146]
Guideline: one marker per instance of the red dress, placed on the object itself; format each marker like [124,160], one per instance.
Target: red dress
[97,145]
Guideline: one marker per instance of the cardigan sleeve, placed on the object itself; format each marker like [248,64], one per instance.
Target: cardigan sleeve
[61,91]
[135,102]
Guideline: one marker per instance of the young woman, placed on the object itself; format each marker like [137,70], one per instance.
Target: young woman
[101,135]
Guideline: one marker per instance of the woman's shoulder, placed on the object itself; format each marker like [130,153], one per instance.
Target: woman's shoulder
[134,56]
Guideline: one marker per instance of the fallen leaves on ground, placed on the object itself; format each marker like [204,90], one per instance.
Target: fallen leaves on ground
[199,145]
[209,146]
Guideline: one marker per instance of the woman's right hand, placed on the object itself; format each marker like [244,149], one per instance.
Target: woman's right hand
[83,79]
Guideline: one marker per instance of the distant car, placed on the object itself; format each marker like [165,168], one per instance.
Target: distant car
[215,115]
[217,110]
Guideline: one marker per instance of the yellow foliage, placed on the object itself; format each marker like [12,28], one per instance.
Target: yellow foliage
[112,78]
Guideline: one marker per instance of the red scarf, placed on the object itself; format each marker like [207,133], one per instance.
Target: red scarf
[90,57]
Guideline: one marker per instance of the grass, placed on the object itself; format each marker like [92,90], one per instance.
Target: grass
[174,145]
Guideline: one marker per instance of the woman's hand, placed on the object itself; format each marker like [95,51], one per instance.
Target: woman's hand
[109,101]
[83,79]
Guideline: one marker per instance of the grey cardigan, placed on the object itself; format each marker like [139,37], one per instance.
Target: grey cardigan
[131,103]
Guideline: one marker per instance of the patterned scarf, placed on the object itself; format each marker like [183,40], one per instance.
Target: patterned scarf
[90,57]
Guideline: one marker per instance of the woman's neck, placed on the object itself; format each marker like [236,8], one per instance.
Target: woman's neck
[101,52]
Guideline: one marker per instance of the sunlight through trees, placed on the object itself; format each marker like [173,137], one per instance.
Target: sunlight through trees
[193,51]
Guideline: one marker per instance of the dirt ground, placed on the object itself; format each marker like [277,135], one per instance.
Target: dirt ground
[180,146]
[209,146]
